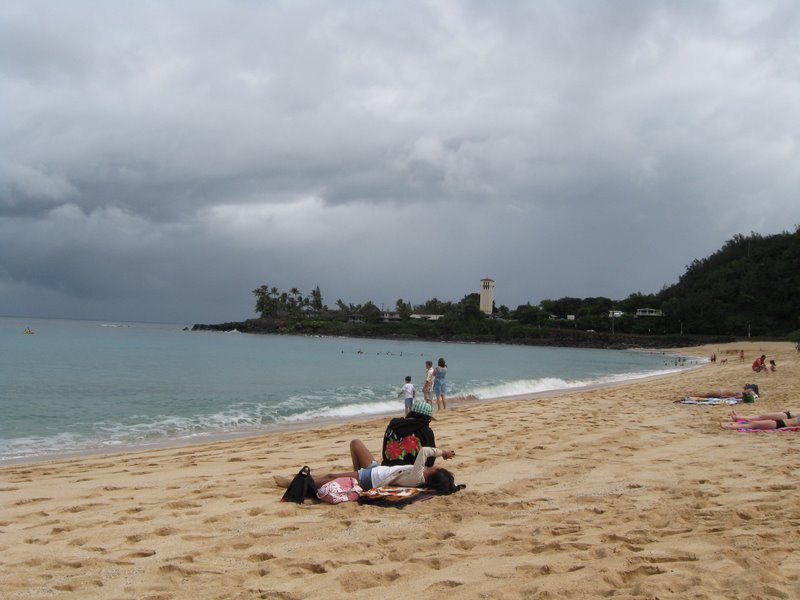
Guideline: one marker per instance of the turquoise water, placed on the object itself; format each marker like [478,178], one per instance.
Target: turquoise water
[86,385]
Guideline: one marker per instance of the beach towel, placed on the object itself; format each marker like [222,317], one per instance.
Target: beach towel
[397,497]
[709,401]
[781,430]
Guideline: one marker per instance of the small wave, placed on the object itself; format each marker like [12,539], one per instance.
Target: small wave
[347,410]
[522,387]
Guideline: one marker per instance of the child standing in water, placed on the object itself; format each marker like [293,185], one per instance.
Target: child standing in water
[408,392]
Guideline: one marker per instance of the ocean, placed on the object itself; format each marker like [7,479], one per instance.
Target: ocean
[101,386]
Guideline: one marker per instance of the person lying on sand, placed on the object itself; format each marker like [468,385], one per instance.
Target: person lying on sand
[765,421]
[370,474]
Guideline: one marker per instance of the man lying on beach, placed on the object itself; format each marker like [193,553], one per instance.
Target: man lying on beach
[765,421]
[370,474]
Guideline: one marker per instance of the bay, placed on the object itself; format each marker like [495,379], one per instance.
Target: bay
[78,386]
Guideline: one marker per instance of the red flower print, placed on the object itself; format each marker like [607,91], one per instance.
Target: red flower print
[410,444]
[394,450]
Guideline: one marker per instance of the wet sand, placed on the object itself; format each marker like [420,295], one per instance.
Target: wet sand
[612,492]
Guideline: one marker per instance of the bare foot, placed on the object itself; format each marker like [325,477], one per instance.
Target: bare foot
[734,416]
[282,482]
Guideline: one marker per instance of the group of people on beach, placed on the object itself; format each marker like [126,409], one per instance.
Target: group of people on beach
[409,446]
[408,455]
[434,387]
[760,365]
[779,420]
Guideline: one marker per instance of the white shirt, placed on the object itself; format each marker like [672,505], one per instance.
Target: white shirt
[404,475]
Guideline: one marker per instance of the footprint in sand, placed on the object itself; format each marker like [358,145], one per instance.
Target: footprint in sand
[443,586]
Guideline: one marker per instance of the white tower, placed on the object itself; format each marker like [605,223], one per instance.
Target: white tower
[487,295]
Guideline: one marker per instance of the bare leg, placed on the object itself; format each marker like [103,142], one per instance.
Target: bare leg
[361,456]
[764,417]
[319,480]
[282,481]
[764,424]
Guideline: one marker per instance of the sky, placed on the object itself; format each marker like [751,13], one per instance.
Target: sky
[161,160]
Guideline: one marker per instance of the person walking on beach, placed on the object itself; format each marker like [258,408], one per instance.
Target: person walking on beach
[427,387]
[439,386]
[408,392]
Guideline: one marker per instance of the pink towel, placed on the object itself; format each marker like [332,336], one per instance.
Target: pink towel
[768,430]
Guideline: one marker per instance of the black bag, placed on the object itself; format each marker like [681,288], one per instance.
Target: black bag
[301,487]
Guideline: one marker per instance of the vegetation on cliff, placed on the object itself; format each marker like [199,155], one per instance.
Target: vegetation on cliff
[748,288]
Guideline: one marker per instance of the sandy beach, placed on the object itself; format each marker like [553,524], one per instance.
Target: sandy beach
[616,492]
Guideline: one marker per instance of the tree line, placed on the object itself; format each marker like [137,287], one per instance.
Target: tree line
[750,287]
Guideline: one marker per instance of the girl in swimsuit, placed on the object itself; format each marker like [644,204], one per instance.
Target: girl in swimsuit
[765,421]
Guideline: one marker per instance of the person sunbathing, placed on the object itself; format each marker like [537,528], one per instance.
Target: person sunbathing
[766,421]
[370,474]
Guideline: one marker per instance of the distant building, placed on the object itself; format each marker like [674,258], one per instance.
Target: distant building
[615,314]
[648,312]
[355,318]
[487,296]
[421,317]
[389,317]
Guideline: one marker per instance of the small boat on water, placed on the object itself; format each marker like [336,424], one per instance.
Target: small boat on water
[28,331]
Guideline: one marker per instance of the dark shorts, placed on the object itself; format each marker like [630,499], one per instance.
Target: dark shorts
[365,476]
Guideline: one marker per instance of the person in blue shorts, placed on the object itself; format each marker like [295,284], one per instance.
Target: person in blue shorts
[439,385]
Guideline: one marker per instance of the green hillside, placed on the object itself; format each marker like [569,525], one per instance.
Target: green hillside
[750,286]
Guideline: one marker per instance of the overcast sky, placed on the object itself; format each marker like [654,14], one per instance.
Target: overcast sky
[160,160]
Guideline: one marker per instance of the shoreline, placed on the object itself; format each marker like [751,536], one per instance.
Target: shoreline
[211,437]
[607,492]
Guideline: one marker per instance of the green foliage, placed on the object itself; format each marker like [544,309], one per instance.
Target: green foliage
[750,287]
[315,299]
[404,309]
[266,301]
[529,315]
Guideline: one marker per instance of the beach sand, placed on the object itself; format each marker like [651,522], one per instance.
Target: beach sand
[616,492]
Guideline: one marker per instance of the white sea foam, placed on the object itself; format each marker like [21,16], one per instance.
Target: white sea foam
[521,387]
[347,410]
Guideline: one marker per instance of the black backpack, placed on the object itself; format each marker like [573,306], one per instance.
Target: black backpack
[301,487]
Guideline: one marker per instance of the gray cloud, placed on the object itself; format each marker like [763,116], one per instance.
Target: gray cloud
[159,161]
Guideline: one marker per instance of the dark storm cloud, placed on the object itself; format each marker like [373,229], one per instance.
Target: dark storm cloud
[159,161]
